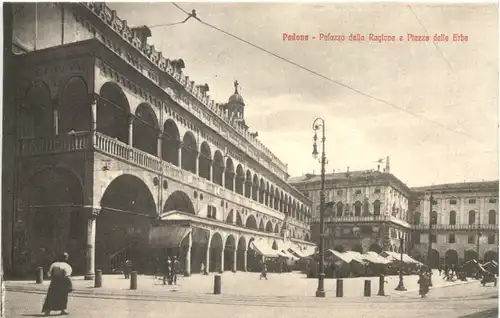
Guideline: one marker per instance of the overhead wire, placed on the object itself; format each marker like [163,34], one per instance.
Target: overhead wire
[328,78]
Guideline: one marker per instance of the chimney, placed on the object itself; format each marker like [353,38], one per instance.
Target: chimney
[387,165]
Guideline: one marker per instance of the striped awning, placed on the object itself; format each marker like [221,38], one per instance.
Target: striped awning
[263,249]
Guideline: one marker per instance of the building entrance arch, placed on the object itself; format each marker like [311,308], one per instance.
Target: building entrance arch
[215,253]
[123,224]
[230,254]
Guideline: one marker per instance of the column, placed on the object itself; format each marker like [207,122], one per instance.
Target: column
[131,130]
[211,168]
[235,259]
[188,255]
[224,178]
[93,109]
[90,249]
[55,116]
[197,167]
[245,260]
[222,259]
[207,257]
[179,154]
[234,182]
[159,144]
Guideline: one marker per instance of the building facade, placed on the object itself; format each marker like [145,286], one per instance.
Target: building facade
[372,210]
[119,155]
[464,222]
[364,210]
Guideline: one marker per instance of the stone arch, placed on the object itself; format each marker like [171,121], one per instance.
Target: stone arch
[276,199]
[229,174]
[285,204]
[127,206]
[470,255]
[240,179]
[340,208]
[433,259]
[189,152]
[242,250]
[376,207]
[267,196]
[492,217]
[453,217]
[277,228]
[262,191]
[215,254]
[255,187]
[357,208]
[145,129]
[37,112]
[230,217]
[261,225]
[229,253]
[248,184]
[472,217]
[179,201]
[307,237]
[218,168]
[113,112]
[251,222]
[366,207]
[253,259]
[205,161]
[451,257]
[239,220]
[490,256]
[271,196]
[170,142]
[269,227]
[375,248]
[74,111]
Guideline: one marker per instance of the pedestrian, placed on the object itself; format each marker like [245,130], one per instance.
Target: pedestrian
[128,268]
[423,283]
[60,286]
[263,274]
[202,268]
[175,269]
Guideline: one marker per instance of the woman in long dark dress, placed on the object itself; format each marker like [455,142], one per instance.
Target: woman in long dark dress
[60,286]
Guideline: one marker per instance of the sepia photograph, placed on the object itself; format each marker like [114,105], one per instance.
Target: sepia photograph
[250,159]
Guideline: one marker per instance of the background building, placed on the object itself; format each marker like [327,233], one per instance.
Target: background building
[369,210]
[119,155]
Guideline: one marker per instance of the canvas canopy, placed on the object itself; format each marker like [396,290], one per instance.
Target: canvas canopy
[263,249]
[348,256]
[373,257]
[393,256]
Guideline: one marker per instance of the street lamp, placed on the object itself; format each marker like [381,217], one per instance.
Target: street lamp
[319,122]
[401,285]
[429,249]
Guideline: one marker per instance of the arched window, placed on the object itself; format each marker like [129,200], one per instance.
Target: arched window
[472,217]
[416,218]
[453,217]
[357,208]
[492,217]
[340,209]
[376,207]
[434,217]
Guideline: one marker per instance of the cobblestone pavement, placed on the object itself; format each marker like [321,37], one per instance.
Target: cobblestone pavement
[472,301]
[285,285]
[247,296]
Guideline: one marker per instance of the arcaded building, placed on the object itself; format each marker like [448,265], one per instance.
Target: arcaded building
[116,154]
[371,210]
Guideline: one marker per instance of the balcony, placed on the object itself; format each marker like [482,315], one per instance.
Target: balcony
[360,219]
[121,151]
[457,227]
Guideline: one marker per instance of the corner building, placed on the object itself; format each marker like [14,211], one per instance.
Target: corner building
[371,210]
[121,156]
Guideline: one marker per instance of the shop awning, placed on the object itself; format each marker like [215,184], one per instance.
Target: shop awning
[348,256]
[394,256]
[309,250]
[164,236]
[263,249]
[375,258]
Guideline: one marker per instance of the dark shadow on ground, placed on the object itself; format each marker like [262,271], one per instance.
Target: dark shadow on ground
[490,313]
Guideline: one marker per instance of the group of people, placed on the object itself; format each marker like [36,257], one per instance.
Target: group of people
[172,268]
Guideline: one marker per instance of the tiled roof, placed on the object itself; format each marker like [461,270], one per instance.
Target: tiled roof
[335,176]
[458,186]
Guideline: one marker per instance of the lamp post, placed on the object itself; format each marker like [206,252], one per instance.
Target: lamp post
[401,285]
[319,122]
[431,200]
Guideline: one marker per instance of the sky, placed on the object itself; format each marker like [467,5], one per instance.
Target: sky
[440,122]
